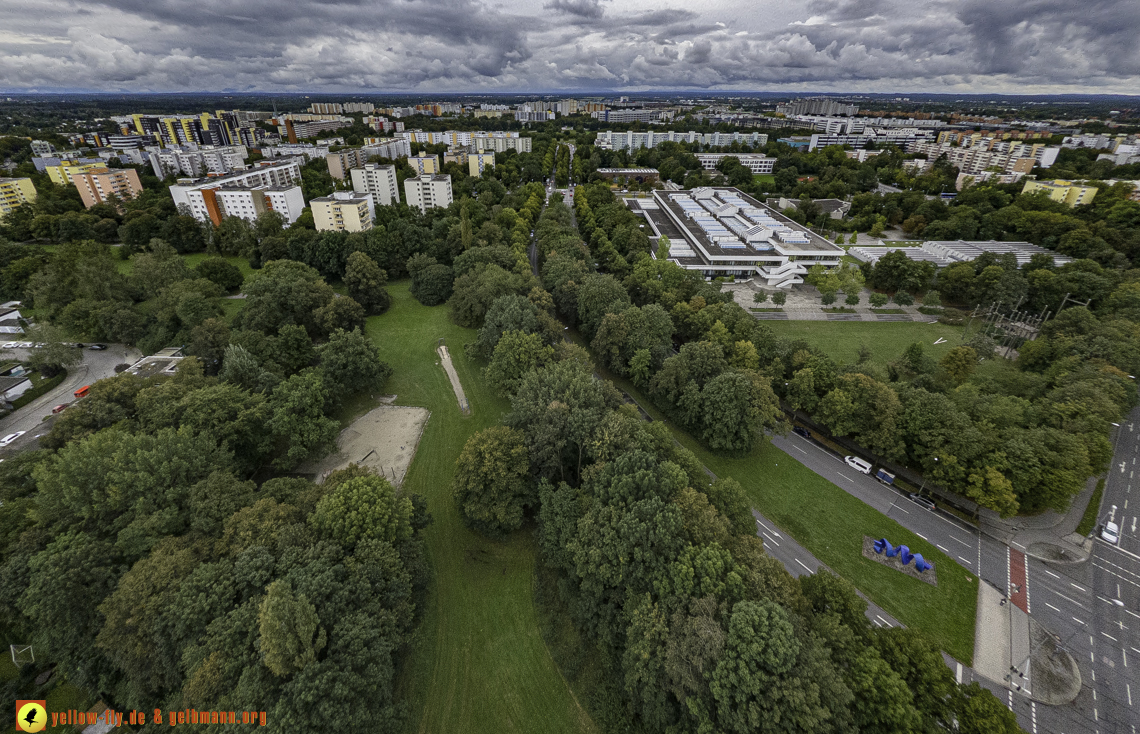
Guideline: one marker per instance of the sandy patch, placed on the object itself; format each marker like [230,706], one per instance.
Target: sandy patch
[383,439]
[454,377]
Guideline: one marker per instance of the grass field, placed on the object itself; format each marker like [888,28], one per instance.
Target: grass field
[831,524]
[842,339]
[766,178]
[479,663]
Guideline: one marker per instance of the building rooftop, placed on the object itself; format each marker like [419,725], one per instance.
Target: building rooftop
[641,171]
[724,223]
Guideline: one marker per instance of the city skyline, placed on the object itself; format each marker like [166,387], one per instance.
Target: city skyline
[445,46]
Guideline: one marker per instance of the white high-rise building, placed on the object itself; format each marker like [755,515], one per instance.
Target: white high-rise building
[378,180]
[268,187]
[428,192]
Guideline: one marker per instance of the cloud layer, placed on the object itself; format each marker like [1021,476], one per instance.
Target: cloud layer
[1030,46]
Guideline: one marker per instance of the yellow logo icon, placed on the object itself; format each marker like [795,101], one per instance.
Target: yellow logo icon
[31,715]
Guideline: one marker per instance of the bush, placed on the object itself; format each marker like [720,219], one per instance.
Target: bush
[932,299]
[827,298]
[952,317]
[219,271]
[903,298]
[852,299]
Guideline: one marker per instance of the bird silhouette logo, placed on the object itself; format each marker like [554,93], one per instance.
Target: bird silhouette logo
[31,715]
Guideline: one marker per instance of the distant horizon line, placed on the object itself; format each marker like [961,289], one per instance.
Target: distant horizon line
[566,92]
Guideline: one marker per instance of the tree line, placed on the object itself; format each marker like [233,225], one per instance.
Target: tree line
[690,624]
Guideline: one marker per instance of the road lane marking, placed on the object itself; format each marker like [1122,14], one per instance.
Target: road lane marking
[964,560]
[770,530]
[1074,601]
[804,565]
[968,545]
[1110,637]
[1129,689]
[769,537]
[1078,588]
[1055,609]
[943,548]
[1080,622]
[845,477]
[797,448]
[897,507]
[922,536]
[1050,573]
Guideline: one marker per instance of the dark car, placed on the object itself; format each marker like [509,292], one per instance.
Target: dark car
[97,347]
[801,431]
[923,501]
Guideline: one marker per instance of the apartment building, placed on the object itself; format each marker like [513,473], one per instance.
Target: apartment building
[630,140]
[269,186]
[632,115]
[335,108]
[196,162]
[294,130]
[42,148]
[501,143]
[342,161]
[988,154]
[248,202]
[98,184]
[459,157]
[292,150]
[1066,192]
[388,147]
[477,162]
[754,162]
[817,106]
[423,164]
[65,172]
[428,191]
[378,181]
[343,211]
[900,137]
[15,192]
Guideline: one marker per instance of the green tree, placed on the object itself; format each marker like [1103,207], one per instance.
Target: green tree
[284,292]
[51,355]
[366,281]
[516,354]
[780,298]
[432,283]
[492,485]
[217,270]
[350,364]
[361,509]
[663,245]
[932,299]
[759,297]
[960,363]
[980,712]
[878,300]
[289,630]
[298,423]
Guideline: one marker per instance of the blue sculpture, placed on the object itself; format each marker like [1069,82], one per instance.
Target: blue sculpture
[882,545]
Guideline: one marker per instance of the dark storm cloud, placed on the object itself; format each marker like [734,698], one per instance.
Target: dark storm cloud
[460,45]
[583,8]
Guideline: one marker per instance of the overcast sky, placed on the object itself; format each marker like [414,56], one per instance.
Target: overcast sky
[1031,46]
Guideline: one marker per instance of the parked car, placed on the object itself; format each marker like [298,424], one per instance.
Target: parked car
[801,431]
[923,501]
[97,347]
[60,408]
[859,465]
[885,476]
[1110,533]
[11,437]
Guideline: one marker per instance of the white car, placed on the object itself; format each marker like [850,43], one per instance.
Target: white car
[1110,533]
[858,464]
[11,437]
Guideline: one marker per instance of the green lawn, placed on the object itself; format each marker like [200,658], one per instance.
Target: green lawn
[887,340]
[831,524]
[479,663]
[766,178]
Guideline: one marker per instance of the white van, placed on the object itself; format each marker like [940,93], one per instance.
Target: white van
[858,464]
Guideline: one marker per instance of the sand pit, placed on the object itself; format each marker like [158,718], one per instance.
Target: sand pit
[383,439]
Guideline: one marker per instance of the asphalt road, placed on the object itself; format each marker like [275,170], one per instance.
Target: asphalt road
[31,417]
[1093,607]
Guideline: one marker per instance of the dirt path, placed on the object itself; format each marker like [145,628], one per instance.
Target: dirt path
[451,375]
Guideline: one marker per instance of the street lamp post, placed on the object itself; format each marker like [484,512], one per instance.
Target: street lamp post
[924,478]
